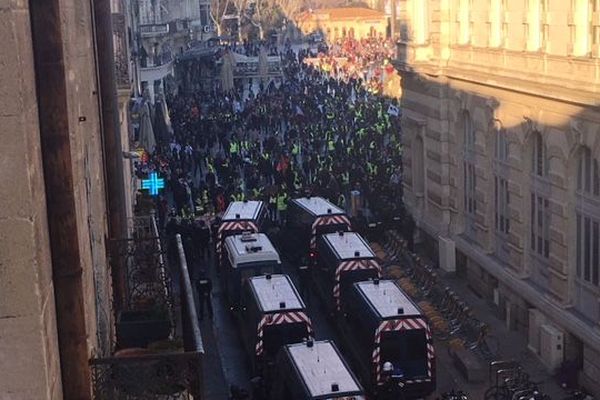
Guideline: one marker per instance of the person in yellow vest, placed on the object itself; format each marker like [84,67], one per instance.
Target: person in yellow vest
[331,145]
[342,201]
[282,198]
[257,193]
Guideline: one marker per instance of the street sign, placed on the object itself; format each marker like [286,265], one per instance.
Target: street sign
[153,184]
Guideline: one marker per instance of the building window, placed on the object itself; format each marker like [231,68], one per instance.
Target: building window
[533,27]
[495,21]
[588,179]
[419,21]
[540,225]
[205,14]
[588,217]
[469,172]
[468,132]
[464,21]
[502,217]
[470,183]
[501,146]
[581,25]
[418,166]
[539,163]
[588,246]
[593,28]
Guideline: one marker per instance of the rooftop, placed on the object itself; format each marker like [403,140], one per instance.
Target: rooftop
[387,298]
[321,366]
[275,291]
[243,209]
[347,244]
[318,206]
[250,248]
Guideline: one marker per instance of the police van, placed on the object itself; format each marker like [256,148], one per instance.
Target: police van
[272,315]
[309,217]
[240,216]
[388,339]
[314,370]
[246,255]
[342,259]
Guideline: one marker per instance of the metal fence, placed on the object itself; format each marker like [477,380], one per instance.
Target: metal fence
[167,369]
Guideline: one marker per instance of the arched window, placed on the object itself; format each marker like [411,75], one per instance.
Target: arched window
[501,145]
[539,164]
[588,179]
[501,191]
[588,218]
[468,132]
[469,171]
[418,166]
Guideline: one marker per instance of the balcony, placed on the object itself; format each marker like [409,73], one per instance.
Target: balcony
[158,350]
[121,51]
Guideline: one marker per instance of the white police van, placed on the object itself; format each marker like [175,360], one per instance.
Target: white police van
[309,217]
[342,259]
[246,255]
[240,216]
[272,315]
[388,338]
[314,370]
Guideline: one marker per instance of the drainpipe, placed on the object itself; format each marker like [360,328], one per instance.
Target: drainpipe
[51,87]
[111,136]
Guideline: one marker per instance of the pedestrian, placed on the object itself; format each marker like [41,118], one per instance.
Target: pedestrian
[204,293]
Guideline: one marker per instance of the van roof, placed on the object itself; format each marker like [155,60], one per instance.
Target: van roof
[274,291]
[318,206]
[386,298]
[247,210]
[346,244]
[250,248]
[321,366]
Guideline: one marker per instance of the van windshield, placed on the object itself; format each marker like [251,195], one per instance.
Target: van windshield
[275,336]
[407,351]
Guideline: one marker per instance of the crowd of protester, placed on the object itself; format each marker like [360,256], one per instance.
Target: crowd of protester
[366,59]
[310,134]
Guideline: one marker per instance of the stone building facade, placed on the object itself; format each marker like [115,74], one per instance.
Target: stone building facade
[501,128]
[339,23]
[55,312]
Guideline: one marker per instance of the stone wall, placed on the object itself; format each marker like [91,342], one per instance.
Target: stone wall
[30,366]
[28,332]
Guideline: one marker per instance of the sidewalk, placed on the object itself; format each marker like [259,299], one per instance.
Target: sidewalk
[215,386]
[511,345]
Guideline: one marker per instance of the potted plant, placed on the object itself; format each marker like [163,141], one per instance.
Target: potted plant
[138,328]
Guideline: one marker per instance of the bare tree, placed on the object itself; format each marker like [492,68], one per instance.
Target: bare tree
[290,8]
[218,11]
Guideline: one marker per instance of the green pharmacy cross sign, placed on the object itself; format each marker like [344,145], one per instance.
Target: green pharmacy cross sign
[153,184]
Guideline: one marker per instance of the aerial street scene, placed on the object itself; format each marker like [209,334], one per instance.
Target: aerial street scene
[300,200]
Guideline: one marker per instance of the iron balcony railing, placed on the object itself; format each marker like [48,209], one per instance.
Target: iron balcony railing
[158,348]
